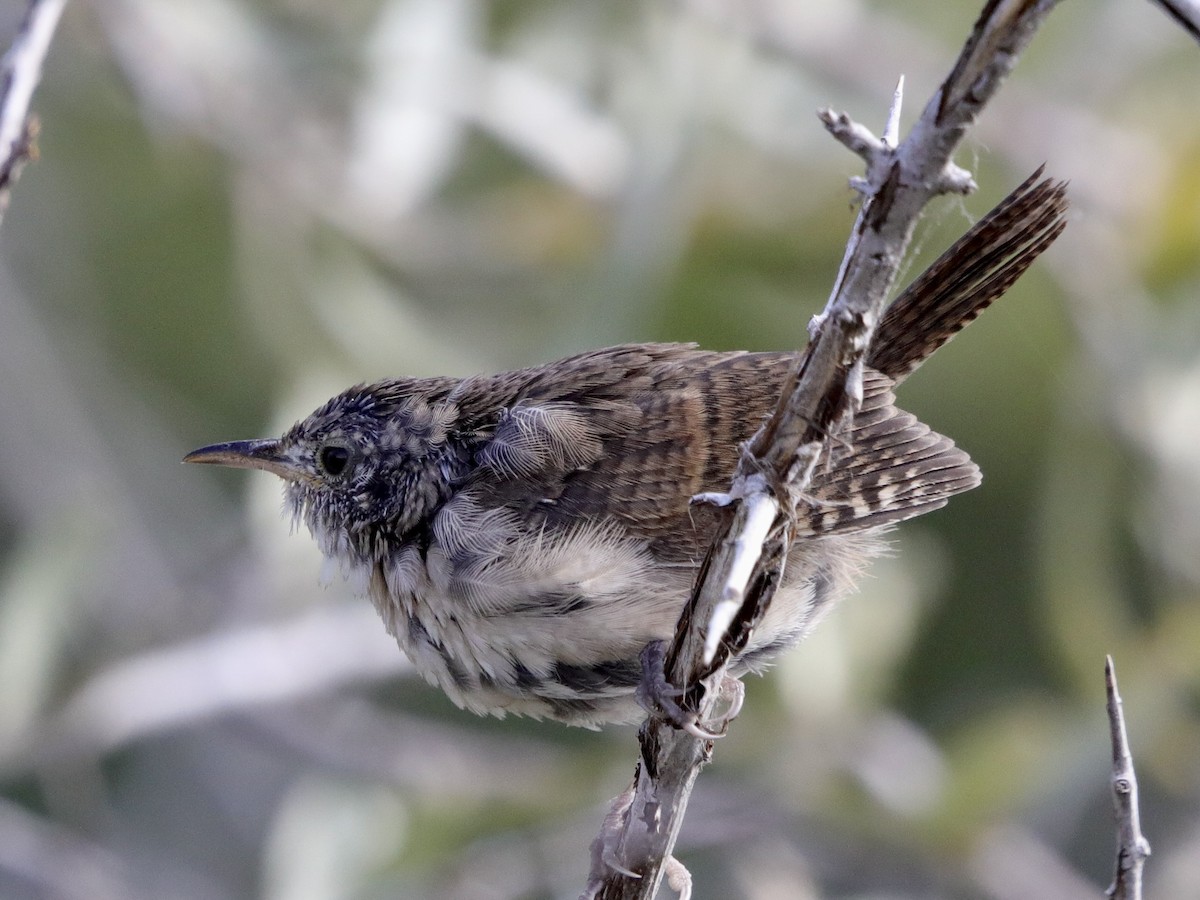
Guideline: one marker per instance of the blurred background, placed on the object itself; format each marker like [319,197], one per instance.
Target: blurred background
[243,207]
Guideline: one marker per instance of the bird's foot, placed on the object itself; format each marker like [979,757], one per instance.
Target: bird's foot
[659,697]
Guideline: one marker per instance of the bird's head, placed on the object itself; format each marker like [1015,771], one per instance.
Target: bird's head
[362,471]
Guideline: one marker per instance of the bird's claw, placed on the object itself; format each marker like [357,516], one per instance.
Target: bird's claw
[658,696]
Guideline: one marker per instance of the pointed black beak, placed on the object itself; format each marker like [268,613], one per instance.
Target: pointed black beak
[263,455]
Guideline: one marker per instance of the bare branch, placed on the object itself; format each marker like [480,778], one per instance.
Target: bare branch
[20,72]
[1132,846]
[778,463]
[1185,12]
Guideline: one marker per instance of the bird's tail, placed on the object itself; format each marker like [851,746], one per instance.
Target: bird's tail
[963,281]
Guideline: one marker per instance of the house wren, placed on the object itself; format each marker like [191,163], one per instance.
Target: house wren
[525,535]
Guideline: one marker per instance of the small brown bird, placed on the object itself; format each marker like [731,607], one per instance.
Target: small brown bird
[525,535]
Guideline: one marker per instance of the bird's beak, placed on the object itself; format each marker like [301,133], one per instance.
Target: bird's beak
[263,455]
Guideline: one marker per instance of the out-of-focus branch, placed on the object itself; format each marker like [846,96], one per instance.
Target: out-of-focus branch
[1132,846]
[177,686]
[634,849]
[20,72]
[60,863]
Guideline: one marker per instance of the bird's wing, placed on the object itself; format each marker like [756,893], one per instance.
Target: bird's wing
[631,433]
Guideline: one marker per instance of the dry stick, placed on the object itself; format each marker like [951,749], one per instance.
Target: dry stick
[20,71]
[634,848]
[1132,846]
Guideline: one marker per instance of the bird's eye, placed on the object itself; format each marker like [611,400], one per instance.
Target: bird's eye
[333,459]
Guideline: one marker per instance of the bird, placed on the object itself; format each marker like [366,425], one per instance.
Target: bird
[525,536]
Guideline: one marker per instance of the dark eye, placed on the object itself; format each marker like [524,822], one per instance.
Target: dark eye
[333,459]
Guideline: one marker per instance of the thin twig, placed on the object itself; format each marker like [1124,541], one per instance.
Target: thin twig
[1132,846]
[778,463]
[20,72]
